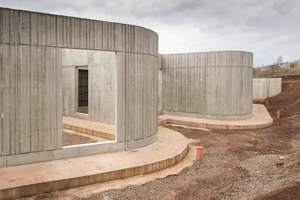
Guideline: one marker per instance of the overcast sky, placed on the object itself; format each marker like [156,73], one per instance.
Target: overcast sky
[268,28]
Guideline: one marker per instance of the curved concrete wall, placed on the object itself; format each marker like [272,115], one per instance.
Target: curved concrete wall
[266,87]
[213,85]
[31,82]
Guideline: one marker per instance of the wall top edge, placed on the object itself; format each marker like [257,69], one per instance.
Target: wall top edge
[266,78]
[56,15]
[229,51]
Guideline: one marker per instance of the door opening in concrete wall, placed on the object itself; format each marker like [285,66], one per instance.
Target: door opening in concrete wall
[89,96]
[83,91]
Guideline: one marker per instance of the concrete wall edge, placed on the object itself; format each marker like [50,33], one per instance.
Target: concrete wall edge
[206,52]
[141,142]
[69,152]
[80,18]
[214,117]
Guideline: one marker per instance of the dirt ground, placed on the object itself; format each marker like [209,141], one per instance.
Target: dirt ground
[259,164]
[71,139]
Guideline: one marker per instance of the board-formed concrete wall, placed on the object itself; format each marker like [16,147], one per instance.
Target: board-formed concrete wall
[29,99]
[213,85]
[101,66]
[266,87]
[31,46]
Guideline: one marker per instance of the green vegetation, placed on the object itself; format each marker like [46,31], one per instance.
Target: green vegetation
[278,69]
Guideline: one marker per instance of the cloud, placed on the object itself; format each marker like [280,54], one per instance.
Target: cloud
[269,29]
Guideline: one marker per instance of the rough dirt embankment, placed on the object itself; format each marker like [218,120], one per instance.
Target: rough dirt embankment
[289,99]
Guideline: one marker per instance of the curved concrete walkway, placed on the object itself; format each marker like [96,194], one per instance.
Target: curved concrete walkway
[260,119]
[37,178]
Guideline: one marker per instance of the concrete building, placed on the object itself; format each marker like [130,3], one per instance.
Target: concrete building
[213,85]
[266,87]
[105,72]
[41,55]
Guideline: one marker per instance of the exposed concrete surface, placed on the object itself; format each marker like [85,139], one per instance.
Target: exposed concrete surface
[33,44]
[160,80]
[212,85]
[106,131]
[212,117]
[133,144]
[87,149]
[85,127]
[87,191]
[266,87]
[31,118]
[32,179]
[101,66]
[92,137]
[63,153]
[2,161]
[260,119]
[33,157]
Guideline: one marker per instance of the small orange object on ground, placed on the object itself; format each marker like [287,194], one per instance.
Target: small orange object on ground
[199,153]
[278,114]
[267,102]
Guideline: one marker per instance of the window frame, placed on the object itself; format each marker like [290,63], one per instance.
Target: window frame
[78,68]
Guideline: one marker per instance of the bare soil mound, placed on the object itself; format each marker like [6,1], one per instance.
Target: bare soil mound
[288,101]
[282,194]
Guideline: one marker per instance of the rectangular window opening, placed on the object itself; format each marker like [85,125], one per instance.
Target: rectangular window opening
[83,91]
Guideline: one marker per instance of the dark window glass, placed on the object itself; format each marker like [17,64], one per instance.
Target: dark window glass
[83,91]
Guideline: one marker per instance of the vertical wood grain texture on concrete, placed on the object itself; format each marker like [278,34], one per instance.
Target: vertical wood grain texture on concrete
[120,97]
[102,80]
[29,97]
[33,83]
[22,27]
[1,26]
[159,80]
[141,96]
[215,85]
[266,87]
[1,95]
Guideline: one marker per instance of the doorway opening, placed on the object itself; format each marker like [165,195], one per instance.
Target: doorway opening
[89,96]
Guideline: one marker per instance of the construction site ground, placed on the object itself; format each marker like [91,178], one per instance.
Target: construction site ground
[261,164]
[73,139]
